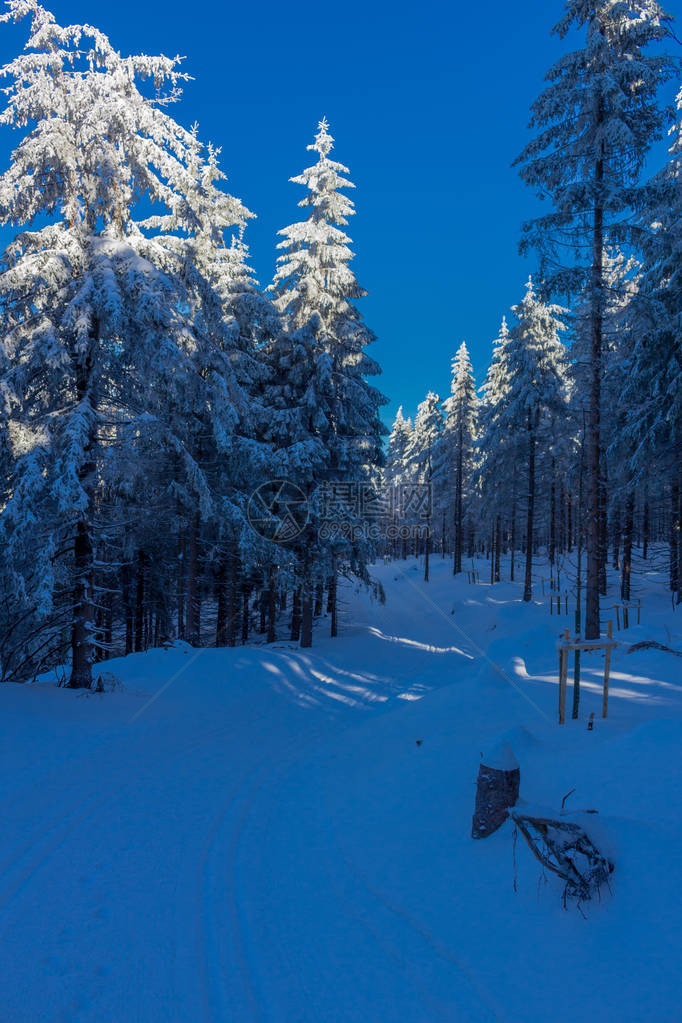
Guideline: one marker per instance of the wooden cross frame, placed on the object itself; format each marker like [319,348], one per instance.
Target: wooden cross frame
[558,597]
[625,608]
[568,643]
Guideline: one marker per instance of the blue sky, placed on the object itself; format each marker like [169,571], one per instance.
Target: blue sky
[428,105]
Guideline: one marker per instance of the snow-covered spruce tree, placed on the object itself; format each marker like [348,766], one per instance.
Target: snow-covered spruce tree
[459,437]
[495,481]
[532,406]
[424,460]
[294,424]
[615,483]
[315,290]
[395,481]
[653,390]
[230,430]
[595,124]
[100,349]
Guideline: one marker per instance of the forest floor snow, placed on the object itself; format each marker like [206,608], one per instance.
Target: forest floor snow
[275,834]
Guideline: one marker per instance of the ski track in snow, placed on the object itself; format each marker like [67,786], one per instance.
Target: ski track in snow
[236,854]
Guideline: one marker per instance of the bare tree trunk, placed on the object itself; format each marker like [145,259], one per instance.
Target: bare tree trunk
[492,554]
[108,625]
[459,498]
[223,614]
[333,591]
[127,587]
[530,519]
[616,532]
[513,535]
[139,601]
[593,433]
[319,599]
[627,546]
[675,535]
[552,518]
[498,547]
[181,585]
[238,614]
[246,596]
[83,617]
[296,615]
[603,528]
[679,540]
[579,580]
[306,605]
[192,627]
[272,607]
[427,549]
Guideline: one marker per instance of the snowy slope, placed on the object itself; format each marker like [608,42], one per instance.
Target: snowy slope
[267,840]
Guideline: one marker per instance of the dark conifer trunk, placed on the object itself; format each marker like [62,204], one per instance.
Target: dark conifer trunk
[139,601]
[616,533]
[552,518]
[675,535]
[319,599]
[593,432]
[238,615]
[603,528]
[127,591]
[192,625]
[306,605]
[530,519]
[222,615]
[513,537]
[181,586]
[296,615]
[333,589]
[83,615]
[272,607]
[246,597]
[627,546]
[492,554]
[459,497]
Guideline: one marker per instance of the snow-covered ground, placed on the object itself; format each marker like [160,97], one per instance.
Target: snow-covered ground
[267,840]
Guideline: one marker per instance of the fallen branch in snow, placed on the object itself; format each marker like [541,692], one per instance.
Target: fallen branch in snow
[566,849]
[651,644]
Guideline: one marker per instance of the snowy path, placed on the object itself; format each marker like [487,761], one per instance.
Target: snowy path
[267,842]
[180,867]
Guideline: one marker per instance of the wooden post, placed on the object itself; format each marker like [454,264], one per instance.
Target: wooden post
[607,671]
[563,675]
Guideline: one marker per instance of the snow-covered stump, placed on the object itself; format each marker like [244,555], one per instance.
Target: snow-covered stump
[497,789]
